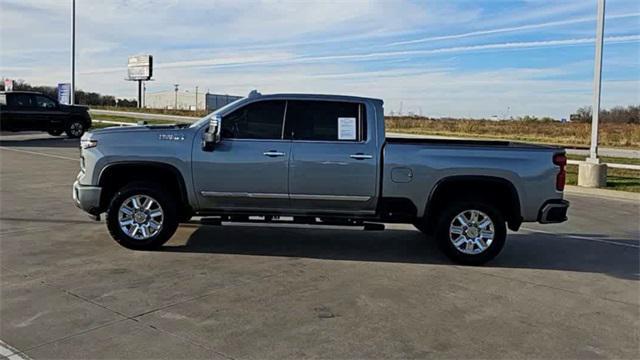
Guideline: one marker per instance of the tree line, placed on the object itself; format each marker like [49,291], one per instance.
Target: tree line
[617,114]
[81,97]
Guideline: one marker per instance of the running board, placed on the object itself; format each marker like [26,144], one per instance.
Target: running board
[291,220]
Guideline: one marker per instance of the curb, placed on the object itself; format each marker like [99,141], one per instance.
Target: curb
[611,194]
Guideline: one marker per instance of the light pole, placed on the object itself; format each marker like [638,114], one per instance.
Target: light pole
[597,83]
[591,173]
[176,102]
[73,52]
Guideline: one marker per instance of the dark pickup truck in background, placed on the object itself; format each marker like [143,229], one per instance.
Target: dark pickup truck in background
[33,111]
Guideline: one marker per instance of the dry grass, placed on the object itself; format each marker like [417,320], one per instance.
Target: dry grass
[573,134]
[199,113]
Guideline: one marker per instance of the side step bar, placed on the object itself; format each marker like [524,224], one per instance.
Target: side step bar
[307,220]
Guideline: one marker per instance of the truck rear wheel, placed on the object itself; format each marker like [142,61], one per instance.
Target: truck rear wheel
[471,233]
[142,216]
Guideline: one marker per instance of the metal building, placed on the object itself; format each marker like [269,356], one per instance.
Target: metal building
[187,100]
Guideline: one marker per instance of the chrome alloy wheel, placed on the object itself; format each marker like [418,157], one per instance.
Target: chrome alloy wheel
[471,232]
[140,217]
[76,129]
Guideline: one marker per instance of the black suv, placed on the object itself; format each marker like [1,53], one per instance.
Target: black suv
[29,111]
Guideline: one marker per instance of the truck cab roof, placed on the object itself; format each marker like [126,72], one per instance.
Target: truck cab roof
[305,96]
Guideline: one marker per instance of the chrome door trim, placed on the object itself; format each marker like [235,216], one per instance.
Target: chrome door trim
[244,195]
[273,153]
[329,197]
[361,156]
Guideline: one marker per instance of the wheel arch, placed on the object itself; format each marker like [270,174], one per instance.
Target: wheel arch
[457,187]
[116,175]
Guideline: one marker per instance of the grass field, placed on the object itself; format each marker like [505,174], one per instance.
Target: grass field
[199,113]
[125,119]
[549,132]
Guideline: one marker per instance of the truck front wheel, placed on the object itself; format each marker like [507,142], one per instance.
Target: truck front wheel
[142,216]
[471,233]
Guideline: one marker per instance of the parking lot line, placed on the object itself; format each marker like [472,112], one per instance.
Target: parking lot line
[39,153]
[578,237]
[11,353]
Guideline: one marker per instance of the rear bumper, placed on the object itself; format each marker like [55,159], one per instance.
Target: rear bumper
[87,198]
[553,211]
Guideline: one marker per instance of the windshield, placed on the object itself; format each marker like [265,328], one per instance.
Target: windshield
[205,120]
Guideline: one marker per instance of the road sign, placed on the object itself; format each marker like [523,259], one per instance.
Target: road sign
[64,93]
[140,67]
[8,85]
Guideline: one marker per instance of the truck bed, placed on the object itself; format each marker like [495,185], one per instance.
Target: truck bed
[466,142]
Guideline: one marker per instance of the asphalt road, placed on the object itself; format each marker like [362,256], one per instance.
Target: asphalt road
[68,291]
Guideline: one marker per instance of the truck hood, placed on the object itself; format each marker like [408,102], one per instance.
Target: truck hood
[138,129]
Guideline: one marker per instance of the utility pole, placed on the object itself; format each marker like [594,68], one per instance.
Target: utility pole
[144,94]
[196,98]
[591,173]
[73,52]
[176,91]
[597,83]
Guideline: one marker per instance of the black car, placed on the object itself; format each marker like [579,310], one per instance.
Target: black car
[32,111]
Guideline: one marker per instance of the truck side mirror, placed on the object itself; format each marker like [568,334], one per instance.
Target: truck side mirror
[212,136]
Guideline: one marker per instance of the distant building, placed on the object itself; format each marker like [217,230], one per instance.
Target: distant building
[186,100]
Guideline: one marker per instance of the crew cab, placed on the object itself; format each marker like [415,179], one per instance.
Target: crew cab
[319,159]
[33,111]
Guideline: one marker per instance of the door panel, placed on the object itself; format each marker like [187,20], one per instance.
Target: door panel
[324,176]
[47,114]
[22,111]
[243,174]
[248,169]
[334,162]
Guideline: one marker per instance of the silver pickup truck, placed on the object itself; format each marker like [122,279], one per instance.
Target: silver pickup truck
[319,159]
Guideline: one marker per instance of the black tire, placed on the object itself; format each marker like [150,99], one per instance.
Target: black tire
[169,218]
[443,236]
[75,129]
[55,132]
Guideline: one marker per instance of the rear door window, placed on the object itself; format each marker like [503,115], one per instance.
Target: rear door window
[45,102]
[19,101]
[3,99]
[325,121]
[258,120]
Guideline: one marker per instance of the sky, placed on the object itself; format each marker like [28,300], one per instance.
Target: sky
[457,58]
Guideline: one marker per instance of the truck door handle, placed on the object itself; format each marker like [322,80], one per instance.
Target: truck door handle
[361,156]
[273,153]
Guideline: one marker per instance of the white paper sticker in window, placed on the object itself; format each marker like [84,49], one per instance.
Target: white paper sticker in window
[346,128]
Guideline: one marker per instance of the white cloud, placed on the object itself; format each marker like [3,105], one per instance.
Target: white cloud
[332,47]
[511,29]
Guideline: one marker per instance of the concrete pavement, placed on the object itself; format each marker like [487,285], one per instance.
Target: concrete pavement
[68,291]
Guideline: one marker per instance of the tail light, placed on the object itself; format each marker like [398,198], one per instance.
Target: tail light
[561,161]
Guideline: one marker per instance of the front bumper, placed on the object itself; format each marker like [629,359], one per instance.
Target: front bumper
[553,211]
[87,198]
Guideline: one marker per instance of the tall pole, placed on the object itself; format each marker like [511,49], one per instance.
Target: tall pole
[597,83]
[176,103]
[73,52]
[139,94]
[196,98]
